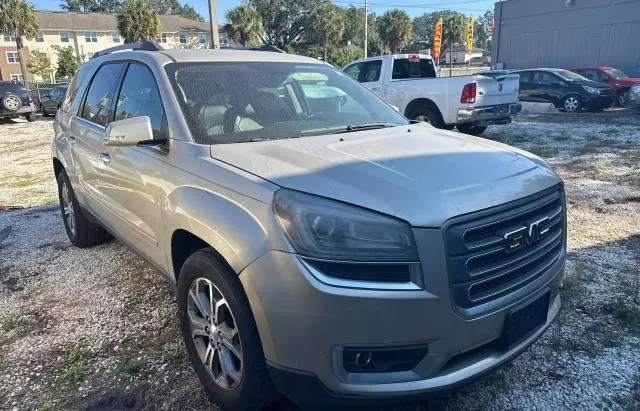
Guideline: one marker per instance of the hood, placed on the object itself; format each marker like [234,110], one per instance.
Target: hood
[417,173]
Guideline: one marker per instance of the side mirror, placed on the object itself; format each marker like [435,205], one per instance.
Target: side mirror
[133,131]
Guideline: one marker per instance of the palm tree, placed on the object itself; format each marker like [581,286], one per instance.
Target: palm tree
[18,19]
[245,25]
[138,21]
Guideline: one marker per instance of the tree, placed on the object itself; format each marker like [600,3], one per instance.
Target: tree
[482,30]
[39,64]
[326,26]
[394,28]
[454,29]
[283,21]
[244,25]
[353,26]
[95,6]
[138,21]
[67,61]
[174,7]
[18,19]
[340,57]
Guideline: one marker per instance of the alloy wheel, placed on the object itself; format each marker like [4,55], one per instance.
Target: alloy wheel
[571,104]
[12,103]
[622,99]
[214,333]
[68,211]
[422,118]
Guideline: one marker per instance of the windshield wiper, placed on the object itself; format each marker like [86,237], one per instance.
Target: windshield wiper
[361,127]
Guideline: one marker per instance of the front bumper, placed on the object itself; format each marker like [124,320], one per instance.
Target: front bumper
[497,114]
[305,324]
[599,102]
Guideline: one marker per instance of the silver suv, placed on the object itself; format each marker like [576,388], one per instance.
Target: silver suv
[322,247]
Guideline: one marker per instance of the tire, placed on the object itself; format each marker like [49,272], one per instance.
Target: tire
[11,102]
[427,114]
[471,128]
[623,98]
[44,111]
[572,103]
[82,232]
[246,384]
[31,117]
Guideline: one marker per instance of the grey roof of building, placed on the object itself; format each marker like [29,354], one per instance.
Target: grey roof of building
[81,21]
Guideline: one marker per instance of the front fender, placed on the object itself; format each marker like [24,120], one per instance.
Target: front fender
[237,227]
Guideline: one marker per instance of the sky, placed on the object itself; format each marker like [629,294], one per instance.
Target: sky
[412,7]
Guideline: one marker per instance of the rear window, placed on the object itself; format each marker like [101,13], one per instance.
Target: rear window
[413,68]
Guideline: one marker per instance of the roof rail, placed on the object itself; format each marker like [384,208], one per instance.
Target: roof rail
[264,47]
[143,45]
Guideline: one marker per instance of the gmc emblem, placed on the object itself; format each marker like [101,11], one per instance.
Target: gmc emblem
[525,235]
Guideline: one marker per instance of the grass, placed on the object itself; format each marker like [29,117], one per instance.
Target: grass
[561,136]
[9,322]
[544,152]
[611,132]
[76,368]
[171,354]
[129,366]
[575,280]
[600,165]
[626,313]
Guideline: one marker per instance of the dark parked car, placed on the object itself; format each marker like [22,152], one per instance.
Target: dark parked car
[634,97]
[37,95]
[15,101]
[51,102]
[620,82]
[567,90]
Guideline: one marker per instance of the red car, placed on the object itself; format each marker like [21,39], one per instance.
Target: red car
[620,82]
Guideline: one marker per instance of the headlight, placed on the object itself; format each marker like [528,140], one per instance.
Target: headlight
[591,90]
[321,228]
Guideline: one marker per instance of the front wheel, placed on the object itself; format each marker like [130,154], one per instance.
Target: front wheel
[623,98]
[470,128]
[81,232]
[572,103]
[220,334]
[427,115]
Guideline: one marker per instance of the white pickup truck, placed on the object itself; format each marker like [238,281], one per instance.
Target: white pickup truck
[409,82]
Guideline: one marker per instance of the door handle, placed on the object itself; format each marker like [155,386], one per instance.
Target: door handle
[375,88]
[106,158]
[72,140]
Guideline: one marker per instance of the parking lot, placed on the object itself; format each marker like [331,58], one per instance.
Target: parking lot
[97,328]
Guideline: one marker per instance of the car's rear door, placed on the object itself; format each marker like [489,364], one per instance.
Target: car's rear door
[131,176]
[86,134]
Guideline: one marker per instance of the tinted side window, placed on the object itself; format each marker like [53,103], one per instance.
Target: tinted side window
[594,75]
[139,96]
[97,104]
[371,71]
[525,77]
[73,96]
[354,70]
[414,68]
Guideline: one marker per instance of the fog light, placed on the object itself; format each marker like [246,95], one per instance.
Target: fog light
[379,360]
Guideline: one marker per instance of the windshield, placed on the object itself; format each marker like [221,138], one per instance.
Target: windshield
[569,75]
[254,101]
[615,73]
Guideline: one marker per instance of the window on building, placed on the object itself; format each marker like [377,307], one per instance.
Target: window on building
[13,57]
[91,37]
[64,37]
[17,77]
[139,96]
[115,37]
[9,39]
[163,38]
[202,38]
[183,38]
[97,104]
[40,37]
[89,55]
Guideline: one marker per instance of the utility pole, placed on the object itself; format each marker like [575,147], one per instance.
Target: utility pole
[213,23]
[366,28]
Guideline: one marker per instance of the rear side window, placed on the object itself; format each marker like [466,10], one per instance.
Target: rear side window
[525,76]
[413,68]
[97,104]
[139,96]
[365,72]
[72,95]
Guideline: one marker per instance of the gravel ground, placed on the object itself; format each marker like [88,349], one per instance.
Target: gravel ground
[97,329]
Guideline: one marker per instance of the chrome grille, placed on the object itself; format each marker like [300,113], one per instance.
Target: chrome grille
[481,265]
